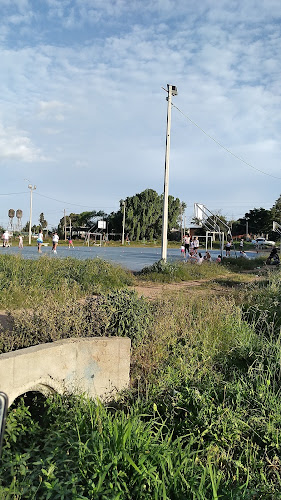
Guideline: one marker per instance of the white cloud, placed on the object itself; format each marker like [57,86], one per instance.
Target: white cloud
[52,109]
[81,164]
[15,145]
[84,83]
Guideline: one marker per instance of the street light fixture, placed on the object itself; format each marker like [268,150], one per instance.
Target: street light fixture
[172,91]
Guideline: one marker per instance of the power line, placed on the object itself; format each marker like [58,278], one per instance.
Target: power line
[67,202]
[9,194]
[223,147]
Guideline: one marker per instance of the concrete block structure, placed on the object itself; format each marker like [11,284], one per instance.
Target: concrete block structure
[96,366]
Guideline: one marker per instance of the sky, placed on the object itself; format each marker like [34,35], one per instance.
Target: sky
[83,109]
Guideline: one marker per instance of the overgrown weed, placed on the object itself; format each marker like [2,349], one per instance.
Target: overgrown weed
[168,272]
[25,281]
[202,419]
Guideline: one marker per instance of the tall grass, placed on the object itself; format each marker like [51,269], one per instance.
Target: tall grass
[25,282]
[118,313]
[168,272]
[202,419]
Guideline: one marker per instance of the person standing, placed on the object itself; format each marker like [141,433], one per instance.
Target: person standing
[55,242]
[191,246]
[186,242]
[70,242]
[227,248]
[6,238]
[20,241]
[241,244]
[195,244]
[40,240]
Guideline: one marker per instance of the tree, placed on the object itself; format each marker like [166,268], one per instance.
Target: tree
[83,220]
[144,215]
[42,220]
[259,221]
[276,211]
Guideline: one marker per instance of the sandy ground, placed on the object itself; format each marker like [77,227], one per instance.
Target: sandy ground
[156,290]
[152,291]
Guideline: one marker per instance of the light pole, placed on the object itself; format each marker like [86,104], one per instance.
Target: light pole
[247,227]
[32,188]
[123,225]
[172,91]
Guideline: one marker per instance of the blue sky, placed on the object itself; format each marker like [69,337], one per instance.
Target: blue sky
[83,114]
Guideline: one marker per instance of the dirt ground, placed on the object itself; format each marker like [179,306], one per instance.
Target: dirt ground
[152,291]
[156,290]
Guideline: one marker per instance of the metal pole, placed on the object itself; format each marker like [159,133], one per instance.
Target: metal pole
[166,178]
[172,90]
[247,229]
[64,225]
[181,225]
[30,215]
[123,226]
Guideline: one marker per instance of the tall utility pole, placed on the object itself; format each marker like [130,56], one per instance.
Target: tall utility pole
[181,224]
[32,188]
[123,225]
[247,227]
[64,224]
[172,91]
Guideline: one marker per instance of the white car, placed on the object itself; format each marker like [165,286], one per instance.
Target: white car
[263,242]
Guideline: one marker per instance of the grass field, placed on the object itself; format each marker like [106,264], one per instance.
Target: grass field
[202,417]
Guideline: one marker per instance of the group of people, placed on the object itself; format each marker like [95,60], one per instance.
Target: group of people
[55,240]
[189,250]
[190,246]
[229,245]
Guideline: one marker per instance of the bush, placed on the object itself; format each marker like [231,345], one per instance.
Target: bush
[25,282]
[121,313]
[167,272]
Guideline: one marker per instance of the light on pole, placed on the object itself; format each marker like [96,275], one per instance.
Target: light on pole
[172,91]
[32,188]
[123,224]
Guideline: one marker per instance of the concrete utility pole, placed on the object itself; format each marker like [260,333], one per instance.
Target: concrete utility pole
[181,224]
[123,225]
[172,91]
[247,227]
[64,214]
[32,188]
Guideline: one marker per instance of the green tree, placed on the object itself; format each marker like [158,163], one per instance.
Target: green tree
[42,221]
[259,221]
[276,211]
[144,215]
[83,220]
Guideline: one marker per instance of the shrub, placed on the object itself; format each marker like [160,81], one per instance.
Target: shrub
[168,272]
[121,313]
[24,282]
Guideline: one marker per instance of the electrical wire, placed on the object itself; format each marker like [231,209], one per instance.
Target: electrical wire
[223,147]
[65,202]
[8,194]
